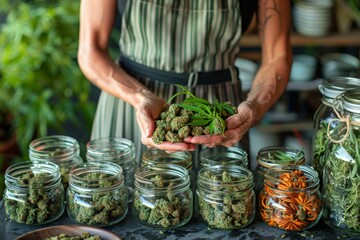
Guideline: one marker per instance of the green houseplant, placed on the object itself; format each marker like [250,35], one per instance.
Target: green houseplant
[40,81]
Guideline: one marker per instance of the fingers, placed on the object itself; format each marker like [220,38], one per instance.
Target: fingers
[168,146]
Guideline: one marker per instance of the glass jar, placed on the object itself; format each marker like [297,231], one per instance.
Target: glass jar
[97,195]
[330,89]
[275,156]
[225,198]
[34,194]
[117,150]
[61,150]
[162,197]
[290,199]
[341,175]
[223,156]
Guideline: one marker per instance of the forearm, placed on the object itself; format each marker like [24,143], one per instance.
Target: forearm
[103,72]
[273,74]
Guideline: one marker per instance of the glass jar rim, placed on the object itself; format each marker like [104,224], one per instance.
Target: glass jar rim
[13,172]
[106,149]
[312,178]
[334,86]
[113,171]
[263,159]
[179,174]
[246,176]
[218,151]
[156,156]
[65,147]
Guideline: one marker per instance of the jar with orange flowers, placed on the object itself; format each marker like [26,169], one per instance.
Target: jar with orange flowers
[290,199]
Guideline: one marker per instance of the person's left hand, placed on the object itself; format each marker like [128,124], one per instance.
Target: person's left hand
[236,127]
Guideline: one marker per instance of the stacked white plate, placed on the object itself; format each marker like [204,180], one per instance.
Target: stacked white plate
[313,17]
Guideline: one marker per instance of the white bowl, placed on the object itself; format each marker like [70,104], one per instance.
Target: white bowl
[339,65]
[247,69]
[303,68]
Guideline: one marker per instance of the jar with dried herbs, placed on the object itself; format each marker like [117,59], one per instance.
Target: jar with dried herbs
[223,156]
[275,156]
[61,150]
[34,194]
[225,198]
[290,199]
[97,195]
[120,151]
[341,175]
[162,197]
[330,89]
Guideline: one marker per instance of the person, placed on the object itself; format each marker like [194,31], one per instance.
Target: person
[192,43]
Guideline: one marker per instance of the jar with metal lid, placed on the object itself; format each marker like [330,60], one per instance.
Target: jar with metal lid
[275,156]
[341,175]
[223,156]
[117,150]
[34,194]
[330,89]
[290,199]
[97,195]
[162,197]
[225,198]
[61,150]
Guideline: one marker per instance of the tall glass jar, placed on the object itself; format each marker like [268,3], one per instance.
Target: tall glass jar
[290,199]
[97,195]
[223,156]
[330,89]
[117,150]
[152,156]
[162,197]
[34,194]
[61,150]
[341,175]
[225,198]
[275,156]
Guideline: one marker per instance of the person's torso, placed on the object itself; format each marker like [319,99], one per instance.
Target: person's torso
[181,35]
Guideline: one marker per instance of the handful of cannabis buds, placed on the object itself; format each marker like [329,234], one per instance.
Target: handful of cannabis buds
[192,117]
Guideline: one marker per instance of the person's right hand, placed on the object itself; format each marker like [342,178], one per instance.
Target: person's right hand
[147,112]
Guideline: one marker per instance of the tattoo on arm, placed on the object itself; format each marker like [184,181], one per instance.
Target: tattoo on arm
[271,10]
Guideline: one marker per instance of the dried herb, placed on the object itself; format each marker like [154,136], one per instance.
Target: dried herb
[36,204]
[164,210]
[193,117]
[287,205]
[320,141]
[341,185]
[228,204]
[99,207]
[84,236]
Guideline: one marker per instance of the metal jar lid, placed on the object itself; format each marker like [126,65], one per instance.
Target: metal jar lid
[332,87]
[352,100]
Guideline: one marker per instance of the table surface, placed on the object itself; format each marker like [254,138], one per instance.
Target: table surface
[129,228]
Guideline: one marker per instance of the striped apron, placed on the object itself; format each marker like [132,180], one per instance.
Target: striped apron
[187,36]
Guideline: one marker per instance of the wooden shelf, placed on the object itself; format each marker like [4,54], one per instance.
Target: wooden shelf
[297,40]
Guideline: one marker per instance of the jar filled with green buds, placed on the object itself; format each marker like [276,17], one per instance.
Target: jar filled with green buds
[341,175]
[223,156]
[120,151]
[290,199]
[61,150]
[225,198]
[275,156]
[162,197]
[330,89]
[34,194]
[97,195]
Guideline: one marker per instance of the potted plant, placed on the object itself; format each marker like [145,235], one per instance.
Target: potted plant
[40,81]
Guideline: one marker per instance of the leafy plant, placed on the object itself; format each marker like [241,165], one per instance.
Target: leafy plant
[205,112]
[38,68]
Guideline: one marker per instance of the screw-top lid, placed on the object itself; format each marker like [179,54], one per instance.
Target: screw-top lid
[332,87]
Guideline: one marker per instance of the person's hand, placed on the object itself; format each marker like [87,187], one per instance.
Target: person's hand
[236,127]
[147,112]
